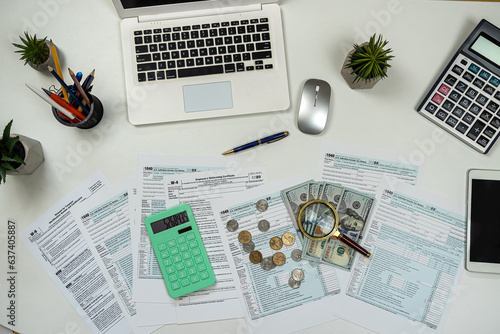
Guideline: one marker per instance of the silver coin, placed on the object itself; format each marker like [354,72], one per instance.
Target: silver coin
[262,205]
[296,255]
[293,283]
[249,247]
[267,263]
[263,225]
[298,274]
[232,225]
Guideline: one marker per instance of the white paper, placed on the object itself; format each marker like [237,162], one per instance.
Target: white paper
[106,224]
[199,190]
[151,200]
[269,303]
[361,168]
[58,244]
[417,240]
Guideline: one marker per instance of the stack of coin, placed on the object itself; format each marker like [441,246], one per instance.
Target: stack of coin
[296,278]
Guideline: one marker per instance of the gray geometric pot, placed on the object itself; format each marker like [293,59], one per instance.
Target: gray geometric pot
[49,61]
[33,157]
[350,76]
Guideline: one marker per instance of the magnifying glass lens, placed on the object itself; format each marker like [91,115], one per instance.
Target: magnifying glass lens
[318,220]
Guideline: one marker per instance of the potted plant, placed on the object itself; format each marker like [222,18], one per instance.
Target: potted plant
[367,63]
[35,52]
[18,154]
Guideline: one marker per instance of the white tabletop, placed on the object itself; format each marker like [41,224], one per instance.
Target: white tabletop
[318,34]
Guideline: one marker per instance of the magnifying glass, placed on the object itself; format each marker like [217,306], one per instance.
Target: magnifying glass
[318,220]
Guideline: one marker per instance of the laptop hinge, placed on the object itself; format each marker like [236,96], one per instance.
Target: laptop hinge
[200,13]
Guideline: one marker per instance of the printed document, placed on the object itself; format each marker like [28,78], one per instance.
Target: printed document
[269,301]
[417,240]
[150,199]
[199,190]
[106,225]
[57,243]
[361,168]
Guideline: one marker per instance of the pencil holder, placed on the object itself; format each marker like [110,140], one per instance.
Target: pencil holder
[93,118]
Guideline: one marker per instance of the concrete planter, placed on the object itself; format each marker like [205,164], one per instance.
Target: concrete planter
[33,156]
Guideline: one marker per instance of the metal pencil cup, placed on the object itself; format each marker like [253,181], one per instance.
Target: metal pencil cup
[93,118]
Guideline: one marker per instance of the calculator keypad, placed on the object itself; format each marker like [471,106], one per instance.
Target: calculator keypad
[467,103]
[183,261]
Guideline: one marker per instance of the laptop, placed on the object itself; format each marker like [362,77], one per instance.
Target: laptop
[194,59]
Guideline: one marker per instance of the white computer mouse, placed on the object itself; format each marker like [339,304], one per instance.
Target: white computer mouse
[314,106]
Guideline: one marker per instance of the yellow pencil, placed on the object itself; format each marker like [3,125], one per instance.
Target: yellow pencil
[58,69]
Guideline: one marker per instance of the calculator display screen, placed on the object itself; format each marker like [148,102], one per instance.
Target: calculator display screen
[488,48]
[169,222]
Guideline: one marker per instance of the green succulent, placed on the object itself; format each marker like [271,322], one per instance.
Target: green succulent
[369,60]
[32,50]
[8,156]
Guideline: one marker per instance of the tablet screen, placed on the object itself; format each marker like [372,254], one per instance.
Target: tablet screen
[485,221]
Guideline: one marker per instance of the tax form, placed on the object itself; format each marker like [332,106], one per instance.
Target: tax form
[57,243]
[105,221]
[270,304]
[199,190]
[361,168]
[417,240]
[150,199]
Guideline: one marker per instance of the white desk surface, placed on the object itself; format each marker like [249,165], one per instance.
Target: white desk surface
[423,35]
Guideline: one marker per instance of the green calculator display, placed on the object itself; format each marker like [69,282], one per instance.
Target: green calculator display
[180,251]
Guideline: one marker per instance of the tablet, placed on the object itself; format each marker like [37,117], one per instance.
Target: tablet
[483,221]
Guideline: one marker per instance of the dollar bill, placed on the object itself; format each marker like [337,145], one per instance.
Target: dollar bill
[354,209]
[331,193]
[294,198]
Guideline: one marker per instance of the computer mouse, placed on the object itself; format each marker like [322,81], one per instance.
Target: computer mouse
[314,106]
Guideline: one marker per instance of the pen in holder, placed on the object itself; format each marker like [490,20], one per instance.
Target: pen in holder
[93,117]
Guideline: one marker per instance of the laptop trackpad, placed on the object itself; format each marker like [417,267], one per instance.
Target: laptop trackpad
[205,97]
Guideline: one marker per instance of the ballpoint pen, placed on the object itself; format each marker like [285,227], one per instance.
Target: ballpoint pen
[53,103]
[59,100]
[266,140]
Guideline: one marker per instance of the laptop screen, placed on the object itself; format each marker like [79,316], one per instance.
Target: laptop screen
[129,4]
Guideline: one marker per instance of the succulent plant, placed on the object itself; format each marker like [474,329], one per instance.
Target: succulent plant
[32,50]
[9,157]
[369,60]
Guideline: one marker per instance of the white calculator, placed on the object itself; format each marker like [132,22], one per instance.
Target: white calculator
[465,99]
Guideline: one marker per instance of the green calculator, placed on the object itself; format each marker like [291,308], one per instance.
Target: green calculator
[180,251]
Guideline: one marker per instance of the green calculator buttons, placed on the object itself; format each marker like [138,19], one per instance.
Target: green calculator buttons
[180,251]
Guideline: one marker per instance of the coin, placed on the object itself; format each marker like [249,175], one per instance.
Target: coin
[298,274]
[250,246]
[263,225]
[255,257]
[244,237]
[296,255]
[267,263]
[262,205]
[288,239]
[232,225]
[293,283]
[279,259]
[276,243]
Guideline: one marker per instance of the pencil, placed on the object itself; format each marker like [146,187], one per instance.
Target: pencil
[52,103]
[58,68]
[88,80]
[77,100]
[79,87]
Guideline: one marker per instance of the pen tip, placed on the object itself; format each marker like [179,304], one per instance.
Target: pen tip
[228,152]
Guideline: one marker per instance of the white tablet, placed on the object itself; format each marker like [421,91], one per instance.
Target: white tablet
[483,221]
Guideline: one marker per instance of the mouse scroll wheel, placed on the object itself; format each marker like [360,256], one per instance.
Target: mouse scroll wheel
[317,88]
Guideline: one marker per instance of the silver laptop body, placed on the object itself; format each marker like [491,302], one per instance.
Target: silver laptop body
[257,82]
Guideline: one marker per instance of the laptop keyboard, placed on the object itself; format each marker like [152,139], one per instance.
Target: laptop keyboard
[203,49]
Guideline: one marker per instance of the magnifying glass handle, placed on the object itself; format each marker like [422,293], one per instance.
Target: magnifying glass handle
[354,245]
